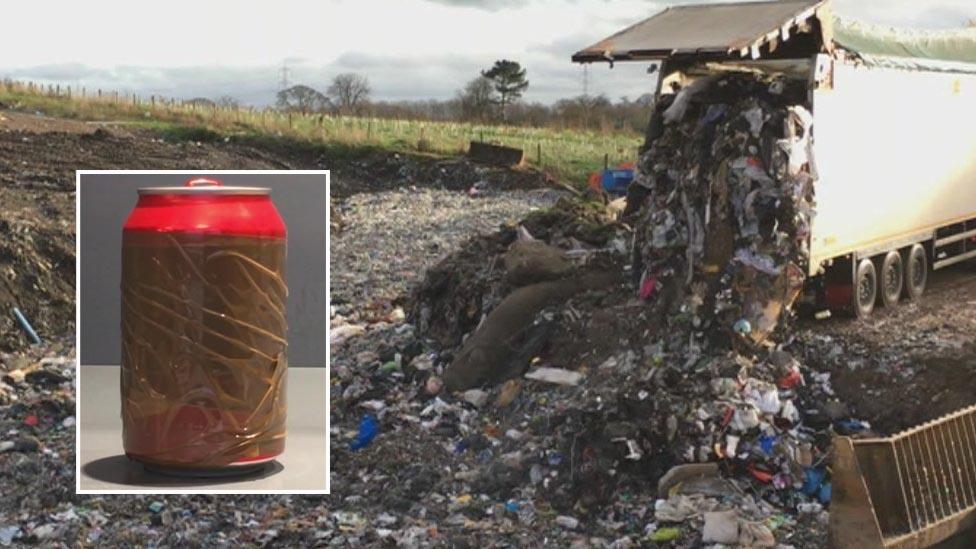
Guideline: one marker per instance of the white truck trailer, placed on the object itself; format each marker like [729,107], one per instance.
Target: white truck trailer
[894,132]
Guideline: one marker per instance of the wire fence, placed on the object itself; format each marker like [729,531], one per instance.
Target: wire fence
[571,154]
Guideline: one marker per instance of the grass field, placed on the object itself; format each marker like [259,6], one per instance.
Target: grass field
[568,155]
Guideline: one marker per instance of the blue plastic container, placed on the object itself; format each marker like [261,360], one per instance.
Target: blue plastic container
[616,181]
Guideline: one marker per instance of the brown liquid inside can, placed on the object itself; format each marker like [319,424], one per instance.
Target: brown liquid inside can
[203,349]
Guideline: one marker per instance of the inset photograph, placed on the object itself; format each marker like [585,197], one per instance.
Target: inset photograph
[202,333]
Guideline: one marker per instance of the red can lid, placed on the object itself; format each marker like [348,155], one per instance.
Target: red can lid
[204,186]
[205,206]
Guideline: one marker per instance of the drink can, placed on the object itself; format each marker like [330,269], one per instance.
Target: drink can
[203,328]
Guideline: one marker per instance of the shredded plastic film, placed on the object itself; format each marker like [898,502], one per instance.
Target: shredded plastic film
[203,348]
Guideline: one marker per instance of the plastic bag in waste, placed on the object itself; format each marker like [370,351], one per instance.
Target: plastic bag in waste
[368,429]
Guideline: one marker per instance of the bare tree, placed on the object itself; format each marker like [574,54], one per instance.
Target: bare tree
[201,102]
[477,99]
[583,110]
[228,101]
[349,92]
[301,98]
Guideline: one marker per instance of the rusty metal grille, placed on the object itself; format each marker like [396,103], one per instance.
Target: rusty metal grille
[921,482]
[937,469]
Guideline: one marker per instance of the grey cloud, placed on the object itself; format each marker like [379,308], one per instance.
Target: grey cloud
[251,85]
[570,44]
[392,77]
[411,77]
[365,61]
[61,71]
[945,16]
[940,14]
[944,13]
[489,5]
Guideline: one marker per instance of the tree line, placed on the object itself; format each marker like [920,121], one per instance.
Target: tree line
[494,96]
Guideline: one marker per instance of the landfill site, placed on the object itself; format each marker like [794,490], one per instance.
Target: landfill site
[754,347]
[767,341]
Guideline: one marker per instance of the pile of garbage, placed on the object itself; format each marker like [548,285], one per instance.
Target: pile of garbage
[728,179]
[37,422]
[697,379]
[533,390]
[726,189]
[384,171]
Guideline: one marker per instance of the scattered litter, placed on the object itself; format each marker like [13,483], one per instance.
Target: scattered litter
[568,523]
[8,533]
[368,429]
[476,397]
[721,527]
[555,375]
[663,535]
[26,326]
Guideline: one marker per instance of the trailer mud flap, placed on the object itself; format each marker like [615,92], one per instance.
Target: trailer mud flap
[915,489]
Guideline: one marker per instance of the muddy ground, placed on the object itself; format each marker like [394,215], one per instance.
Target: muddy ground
[901,367]
[38,158]
[906,365]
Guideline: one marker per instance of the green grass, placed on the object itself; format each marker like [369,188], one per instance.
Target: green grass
[568,155]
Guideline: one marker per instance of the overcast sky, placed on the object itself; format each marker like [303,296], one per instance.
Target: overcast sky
[409,49]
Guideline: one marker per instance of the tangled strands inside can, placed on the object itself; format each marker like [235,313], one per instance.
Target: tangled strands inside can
[203,348]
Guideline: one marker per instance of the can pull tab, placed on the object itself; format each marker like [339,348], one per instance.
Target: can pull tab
[202,182]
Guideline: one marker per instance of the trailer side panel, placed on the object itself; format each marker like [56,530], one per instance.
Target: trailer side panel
[896,155]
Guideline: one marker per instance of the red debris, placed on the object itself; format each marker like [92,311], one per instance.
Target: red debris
[729,412]
[790,380]
[761,476]
[648,287]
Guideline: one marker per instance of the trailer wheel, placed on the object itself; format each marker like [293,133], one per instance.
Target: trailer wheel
[865,289]
[890,279]
[916,271]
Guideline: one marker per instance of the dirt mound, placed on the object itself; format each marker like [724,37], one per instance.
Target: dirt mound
[38,159]
[457,292]
[37,269]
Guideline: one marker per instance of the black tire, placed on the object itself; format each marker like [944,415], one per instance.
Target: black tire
[916,269]
[865,289]
[891,279]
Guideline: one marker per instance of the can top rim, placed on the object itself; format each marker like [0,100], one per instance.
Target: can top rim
[206,190]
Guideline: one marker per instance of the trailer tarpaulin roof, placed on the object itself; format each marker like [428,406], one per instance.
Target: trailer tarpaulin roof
[953,49]
[755,29]
[707,28]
